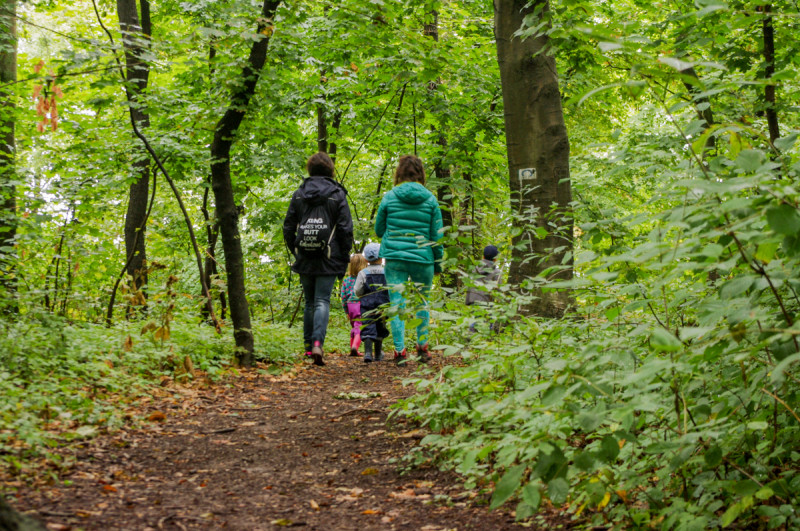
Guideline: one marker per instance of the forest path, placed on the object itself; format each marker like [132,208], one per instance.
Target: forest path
[309,449]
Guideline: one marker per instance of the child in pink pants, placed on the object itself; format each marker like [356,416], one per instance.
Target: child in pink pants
[350,303]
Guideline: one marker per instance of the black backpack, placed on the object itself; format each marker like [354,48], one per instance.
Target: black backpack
[315,231]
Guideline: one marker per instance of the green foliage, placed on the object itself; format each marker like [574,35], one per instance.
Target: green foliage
[668,397]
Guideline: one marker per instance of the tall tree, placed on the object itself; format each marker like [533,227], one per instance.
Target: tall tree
[221,184]
[538,153]
[135,40]
[768,32]
[8,202]
[441,169]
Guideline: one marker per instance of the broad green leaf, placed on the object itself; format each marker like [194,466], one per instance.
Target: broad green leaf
[713,456]
[766,251]
[778,373]
[749,160]
[532,494]
[677,64]
[785,143]
[524,511]
[553,395]
[507,486]
[765,493]
[557,490]
[731,515]
[589,421]
[664,341]
[784,219]
[584,460]
[736,286]
[609,448]
[746,487]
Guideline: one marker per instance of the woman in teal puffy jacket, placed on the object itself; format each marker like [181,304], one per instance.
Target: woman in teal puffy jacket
[409,224]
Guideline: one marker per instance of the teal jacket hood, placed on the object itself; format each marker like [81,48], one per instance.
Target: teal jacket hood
[411,193]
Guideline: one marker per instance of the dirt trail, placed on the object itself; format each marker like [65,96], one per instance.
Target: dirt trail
[309,450]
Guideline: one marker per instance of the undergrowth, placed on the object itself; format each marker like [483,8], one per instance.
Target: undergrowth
[63,381]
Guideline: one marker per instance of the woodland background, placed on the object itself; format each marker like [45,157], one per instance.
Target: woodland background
[661,389]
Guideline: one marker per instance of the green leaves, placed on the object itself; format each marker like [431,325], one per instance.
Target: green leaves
[784,219]
[507,486]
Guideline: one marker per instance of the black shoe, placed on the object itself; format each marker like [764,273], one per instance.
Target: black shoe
[316,355]
[424,355]
[354,352]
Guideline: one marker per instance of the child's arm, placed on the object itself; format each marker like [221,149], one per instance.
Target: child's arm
[361,281]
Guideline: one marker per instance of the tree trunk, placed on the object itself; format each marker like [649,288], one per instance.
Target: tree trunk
[769,71]
[227,212]
[8,191]
[210,271]
[442,172]
[538,158]
[135,36]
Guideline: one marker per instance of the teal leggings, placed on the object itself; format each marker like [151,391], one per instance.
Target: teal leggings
[398,272]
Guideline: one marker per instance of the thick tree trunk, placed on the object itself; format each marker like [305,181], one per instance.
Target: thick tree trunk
[227,212]
[538,157]
[135,36]
[8,192]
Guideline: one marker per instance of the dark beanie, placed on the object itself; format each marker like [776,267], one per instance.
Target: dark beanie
[490,252]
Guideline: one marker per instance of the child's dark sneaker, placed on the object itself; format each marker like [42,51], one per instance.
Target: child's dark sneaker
[379,356]
[424,355]
[400,358]
[354,352]
[316,354]
[367,358]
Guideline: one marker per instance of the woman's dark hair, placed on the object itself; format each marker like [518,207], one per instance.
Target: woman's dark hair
[320,164]
[409,169]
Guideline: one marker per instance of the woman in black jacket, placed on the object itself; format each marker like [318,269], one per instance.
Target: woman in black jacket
[318,230]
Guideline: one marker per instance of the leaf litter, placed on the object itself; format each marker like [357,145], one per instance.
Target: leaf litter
[258,451]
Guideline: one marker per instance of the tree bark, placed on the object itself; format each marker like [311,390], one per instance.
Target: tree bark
[135,36]
[769,71]
[222,186]
[538,158]
[8,191]
[444,193]
[210,266]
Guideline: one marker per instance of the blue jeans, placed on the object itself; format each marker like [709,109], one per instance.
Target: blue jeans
[397,273]
[317,295]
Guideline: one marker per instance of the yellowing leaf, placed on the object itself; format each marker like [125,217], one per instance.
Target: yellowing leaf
[369,471]
[604,501]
